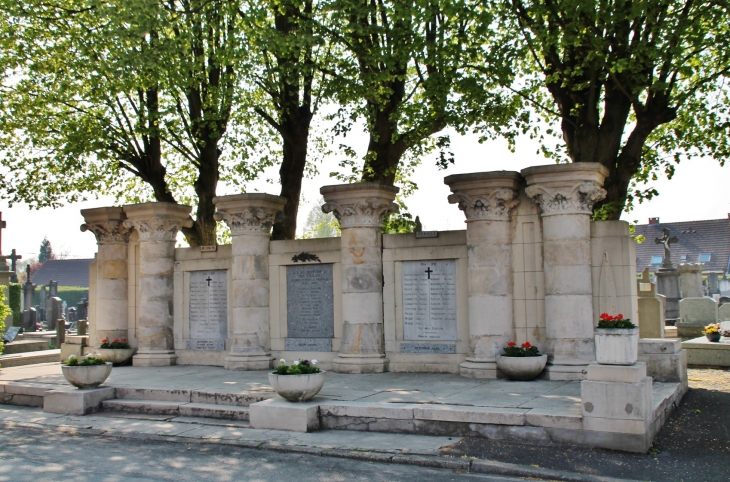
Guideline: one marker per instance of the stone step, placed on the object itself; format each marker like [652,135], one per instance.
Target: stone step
[243,399]
[24,346]
[209,410]
[149,407]
[30,358]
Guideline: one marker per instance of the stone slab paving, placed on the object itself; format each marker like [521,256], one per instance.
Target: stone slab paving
[396,388]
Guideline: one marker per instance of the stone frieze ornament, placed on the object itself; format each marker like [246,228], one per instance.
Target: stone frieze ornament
[251,220]
[361,214]
[495,206]
[158,228]
[578,199]
[111,231]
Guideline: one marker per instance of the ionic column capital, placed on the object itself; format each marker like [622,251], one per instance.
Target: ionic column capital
[157,221]
[362,205]
[107,224]
[485,196]
[566,188]
[248,213]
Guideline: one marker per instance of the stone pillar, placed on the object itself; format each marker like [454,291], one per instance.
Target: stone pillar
[112,239]
[360,209]
[28,295]
[54,313]
[690,280]
[250,217]
[566,194]
[157,225]
[487,199]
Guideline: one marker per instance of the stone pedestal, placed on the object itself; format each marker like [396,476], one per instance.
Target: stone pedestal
[250,217]
[157,225]
[360,209]
[617,403]
[566,194]
[112,239]
[487,199]
[690,280]
[667,284]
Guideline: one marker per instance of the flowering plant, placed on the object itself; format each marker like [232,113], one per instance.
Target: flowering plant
[618,321]
[88,360]
[711,329]
[298,367]
[115,344]
[526,349]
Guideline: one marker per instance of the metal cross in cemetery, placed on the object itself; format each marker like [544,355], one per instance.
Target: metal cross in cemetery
[667,241]
[429,271]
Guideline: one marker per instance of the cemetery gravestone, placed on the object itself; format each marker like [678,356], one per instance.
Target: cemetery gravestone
[429,306]
[81,308]
[310,308]
[208,307]
[10,334]
[651,308]
[695,313]
[54,313]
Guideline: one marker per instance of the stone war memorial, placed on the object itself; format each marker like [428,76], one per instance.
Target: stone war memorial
[530,266]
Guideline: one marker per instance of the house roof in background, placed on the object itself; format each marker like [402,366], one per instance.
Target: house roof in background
[67,272]
[694,238]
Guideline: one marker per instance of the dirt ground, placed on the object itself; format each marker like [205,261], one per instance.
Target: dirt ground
[693,445]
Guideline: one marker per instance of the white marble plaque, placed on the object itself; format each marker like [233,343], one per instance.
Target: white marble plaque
[208,307]
[429,300]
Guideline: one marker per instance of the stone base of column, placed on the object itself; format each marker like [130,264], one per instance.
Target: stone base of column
[564,372]
[476,369]
[154,358]
[360,363]
[256,362]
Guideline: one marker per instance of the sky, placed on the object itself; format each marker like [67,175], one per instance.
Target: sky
[695,192]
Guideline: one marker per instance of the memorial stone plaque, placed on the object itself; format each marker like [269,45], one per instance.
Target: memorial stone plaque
[432,348]
[208,310]
[429,300]
[310,317]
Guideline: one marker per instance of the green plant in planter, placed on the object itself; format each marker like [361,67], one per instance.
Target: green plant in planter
[87,361]
[526,349]
[114,344]
[616,322]
[298,367]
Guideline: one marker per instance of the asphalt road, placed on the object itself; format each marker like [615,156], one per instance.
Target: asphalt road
[40,455]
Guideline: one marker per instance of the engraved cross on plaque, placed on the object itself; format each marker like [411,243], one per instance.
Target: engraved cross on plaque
[667,241]
[428,272]
[209,279]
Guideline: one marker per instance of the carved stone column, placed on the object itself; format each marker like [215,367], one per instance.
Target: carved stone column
[487,199]
[250,217]
[112,239]
[566,194]
[360,209]
[157,225]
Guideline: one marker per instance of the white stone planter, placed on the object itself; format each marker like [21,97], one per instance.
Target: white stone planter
[617,346]
[297,388]
[87,376]
[521,367]
[117,356]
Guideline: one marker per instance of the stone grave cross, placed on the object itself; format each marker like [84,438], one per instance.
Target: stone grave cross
[14,257]
[667,241]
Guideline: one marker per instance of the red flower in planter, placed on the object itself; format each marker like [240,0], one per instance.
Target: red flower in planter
[526,344]
[511,344]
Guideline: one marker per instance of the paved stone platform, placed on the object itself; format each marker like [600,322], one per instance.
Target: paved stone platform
[703,353]
[539,411]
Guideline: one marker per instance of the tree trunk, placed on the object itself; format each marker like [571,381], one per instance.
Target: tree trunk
[203,232]
[383,157]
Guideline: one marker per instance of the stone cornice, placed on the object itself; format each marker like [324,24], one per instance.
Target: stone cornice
[496,205]
[111,231]
[252,220]
[577,198]
[158,228]
[364,213]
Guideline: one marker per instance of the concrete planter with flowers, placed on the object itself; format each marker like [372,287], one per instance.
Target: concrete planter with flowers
[522,362]
[617,340]
[118,352]
[299,381]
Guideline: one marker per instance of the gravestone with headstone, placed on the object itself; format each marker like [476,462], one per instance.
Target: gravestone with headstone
[10,334]
[71,314]
[651,308]
[81,327]
[52,293]
[55,312]
[696,313]
[309,308]
[30,317]
[81,308]
[28,291]
[429,306]
[690,280]
[208,310]
[52,288]
[723,312]
[43,304]
[668,278]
